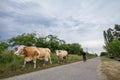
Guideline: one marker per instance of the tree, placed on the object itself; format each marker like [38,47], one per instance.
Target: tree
[61,41]
[105,36]
[54,42]
[112,41]
[75,48]
[50,41]
[64,47]
[40,42]
[117,32]
[28,39]
[109,35]
[103,54]
[117,27]
[112,34]
[51,38]
[113,48]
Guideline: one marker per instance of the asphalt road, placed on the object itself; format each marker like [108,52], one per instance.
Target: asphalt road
[75,71]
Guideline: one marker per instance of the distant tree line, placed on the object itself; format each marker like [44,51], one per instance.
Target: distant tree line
[112,41]
[49,41]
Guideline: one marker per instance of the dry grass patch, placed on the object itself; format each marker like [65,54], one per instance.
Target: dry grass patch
[109,70]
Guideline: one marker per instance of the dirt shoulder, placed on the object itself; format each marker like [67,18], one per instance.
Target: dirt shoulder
[109,69]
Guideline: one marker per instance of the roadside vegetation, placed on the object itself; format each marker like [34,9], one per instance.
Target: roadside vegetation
[11,65]
[112,42]
[109,69]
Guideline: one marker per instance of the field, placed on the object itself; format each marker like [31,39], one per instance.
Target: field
[109,69]
[11,65]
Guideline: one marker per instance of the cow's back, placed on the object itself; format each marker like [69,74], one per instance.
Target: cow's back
[31,51]
[43,52]
[47,49]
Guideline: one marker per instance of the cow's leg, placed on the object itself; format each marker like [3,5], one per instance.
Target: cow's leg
[58,60]
[61,60]
[66,58]
[44,62]
[50,60]
[34,61]
[24,64]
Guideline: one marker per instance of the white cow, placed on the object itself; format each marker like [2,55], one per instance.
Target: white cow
[61,54]
[45,55]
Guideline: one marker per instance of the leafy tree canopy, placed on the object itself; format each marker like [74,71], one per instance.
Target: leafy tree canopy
[112,41]
[50,41]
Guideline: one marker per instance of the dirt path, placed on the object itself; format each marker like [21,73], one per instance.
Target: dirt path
[75,71]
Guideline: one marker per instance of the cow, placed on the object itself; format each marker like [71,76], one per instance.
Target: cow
[47,49]
[45,55]
[29,52]
[61,54]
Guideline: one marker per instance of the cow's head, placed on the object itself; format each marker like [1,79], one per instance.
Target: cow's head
[19,50]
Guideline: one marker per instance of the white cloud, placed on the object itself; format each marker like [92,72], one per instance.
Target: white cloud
[79,21]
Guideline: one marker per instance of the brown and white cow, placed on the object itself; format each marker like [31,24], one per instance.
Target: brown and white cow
[45,55]
[61,54]
[29,53]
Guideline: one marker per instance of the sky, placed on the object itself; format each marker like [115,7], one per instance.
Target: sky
[75,21]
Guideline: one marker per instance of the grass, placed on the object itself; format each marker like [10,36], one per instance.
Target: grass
[109,69]
[11,65]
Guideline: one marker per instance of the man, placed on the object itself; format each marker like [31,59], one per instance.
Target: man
[84,56]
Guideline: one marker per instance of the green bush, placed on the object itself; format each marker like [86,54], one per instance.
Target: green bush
[103,54]
[113,48]
[3,46]
[10,59]
[90,56]
[6,58]
[53,57]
